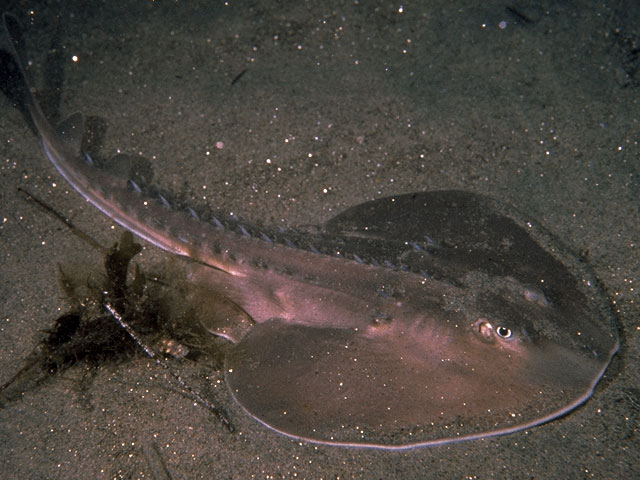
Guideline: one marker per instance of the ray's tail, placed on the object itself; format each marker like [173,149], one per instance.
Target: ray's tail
[117,196]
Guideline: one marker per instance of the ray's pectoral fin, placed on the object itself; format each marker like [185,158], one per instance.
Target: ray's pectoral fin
[295,379]
[341,386]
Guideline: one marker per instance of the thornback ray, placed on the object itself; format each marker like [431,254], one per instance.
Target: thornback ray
[415,320]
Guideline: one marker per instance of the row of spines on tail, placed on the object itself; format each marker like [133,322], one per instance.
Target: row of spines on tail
[311,239]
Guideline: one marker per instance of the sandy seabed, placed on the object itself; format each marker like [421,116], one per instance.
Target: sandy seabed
[340,103]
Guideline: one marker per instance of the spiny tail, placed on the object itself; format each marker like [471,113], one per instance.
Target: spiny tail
[117,197]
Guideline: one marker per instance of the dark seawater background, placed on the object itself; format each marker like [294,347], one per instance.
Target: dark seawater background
[341,102]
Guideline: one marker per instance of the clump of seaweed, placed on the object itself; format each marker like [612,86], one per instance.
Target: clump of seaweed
[107,322]
[88,333]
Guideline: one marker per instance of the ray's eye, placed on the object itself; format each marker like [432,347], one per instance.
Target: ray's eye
[504,332]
